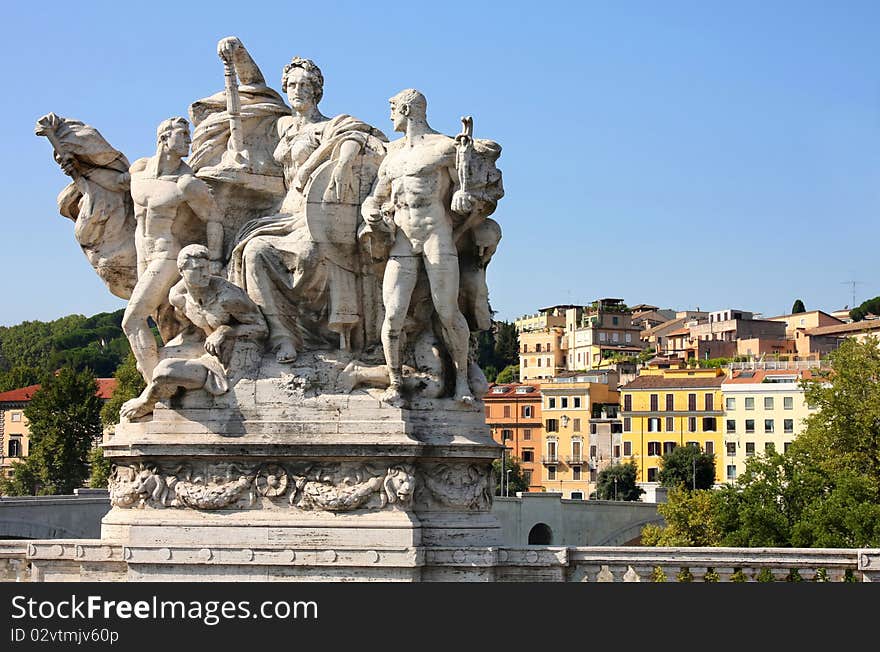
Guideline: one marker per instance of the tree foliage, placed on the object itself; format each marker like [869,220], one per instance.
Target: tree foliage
[798,307]
[516,477]
[510,374]
[497,348]
[869,307]
[64,422]
[690,521]
[679,466]
[32,348]
[624,489]
[825,490]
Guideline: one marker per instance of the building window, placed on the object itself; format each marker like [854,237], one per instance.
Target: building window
[768,402]
[653,448]
[488,411]
[709,424]
[652,474]
[577,495]
[575,473]
[527,476]
[750,402]
[576,425]
[563,402]
[525,348]
[710,448]
[668,447]
[527,411]
[788,425]
[538,347]
[593,452]
[552,425]
[14,448]
[627,448]
[551,403]
[654,402]
[788,402]
[551,472]
[654,424]
[769,447]
[692,402]
[616,453]
[16,416]
[670,424]
[525,363]
[670,402]
[627,402]
[768,425]
[692,424]
[731,425]
[693,444]
[506,434]
[629,338]
[786,446]
[527,434]
[551,450]
[593,430]
[576,401]
[730,403]
[614,321]
[750,449]
[731,448]
[627,424]
[709,402]
[528,455]
[506,412]
[750,425]
[731,471]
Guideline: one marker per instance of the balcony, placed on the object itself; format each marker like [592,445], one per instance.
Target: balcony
[575,459]
[550,459]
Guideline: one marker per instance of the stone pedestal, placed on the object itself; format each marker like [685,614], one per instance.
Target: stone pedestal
[271,480]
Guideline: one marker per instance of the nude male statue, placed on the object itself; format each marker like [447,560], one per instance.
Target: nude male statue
[217,309]
[166,195]
[411,201]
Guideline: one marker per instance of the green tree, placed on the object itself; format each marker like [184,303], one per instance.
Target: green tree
[690,520]
[798,307]
[24,480]
[99,469]
[516,477]
[506,345]
[625,487]
[129,383]
[680,466]
[509,374]
[871,306]
[19,376]
[64,420]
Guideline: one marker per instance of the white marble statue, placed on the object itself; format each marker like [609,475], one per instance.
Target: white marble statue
[169,203]
[410,201]
[219,313]
[301,266]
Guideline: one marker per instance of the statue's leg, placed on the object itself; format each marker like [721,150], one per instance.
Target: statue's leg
[263,271]
[169,375]
[401,273]
[442,270]
[149,293]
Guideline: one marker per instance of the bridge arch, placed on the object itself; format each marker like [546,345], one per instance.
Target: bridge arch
[630,534]
[540,535]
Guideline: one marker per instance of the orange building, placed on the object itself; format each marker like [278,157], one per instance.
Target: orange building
[513,412]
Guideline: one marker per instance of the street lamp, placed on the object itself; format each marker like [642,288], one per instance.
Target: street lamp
[615,488]
[507,488]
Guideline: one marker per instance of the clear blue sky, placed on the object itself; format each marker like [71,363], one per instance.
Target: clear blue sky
[711,154]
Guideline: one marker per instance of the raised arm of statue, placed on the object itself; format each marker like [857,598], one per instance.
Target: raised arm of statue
[231,49]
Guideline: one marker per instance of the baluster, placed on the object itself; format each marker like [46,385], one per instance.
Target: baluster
[605,575]
[725,573]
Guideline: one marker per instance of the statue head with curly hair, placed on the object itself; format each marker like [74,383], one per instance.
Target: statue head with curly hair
[303,82]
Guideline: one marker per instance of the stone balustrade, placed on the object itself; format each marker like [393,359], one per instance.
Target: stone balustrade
[583,564]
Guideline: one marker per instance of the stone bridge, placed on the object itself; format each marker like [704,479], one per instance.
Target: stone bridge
[532,519]
[54,517]
[549,520]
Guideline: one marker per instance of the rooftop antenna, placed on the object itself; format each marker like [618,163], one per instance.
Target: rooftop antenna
[853,284]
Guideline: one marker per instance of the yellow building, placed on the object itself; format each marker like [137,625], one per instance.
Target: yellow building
[569,402]
[762,409]
[541,354]
[665,408]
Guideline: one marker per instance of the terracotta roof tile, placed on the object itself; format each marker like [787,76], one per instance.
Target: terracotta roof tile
[845,329]
[105,389]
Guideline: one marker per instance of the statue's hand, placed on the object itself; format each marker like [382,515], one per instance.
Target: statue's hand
[227,47]
[341,186]
[462,202]
[214,342]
